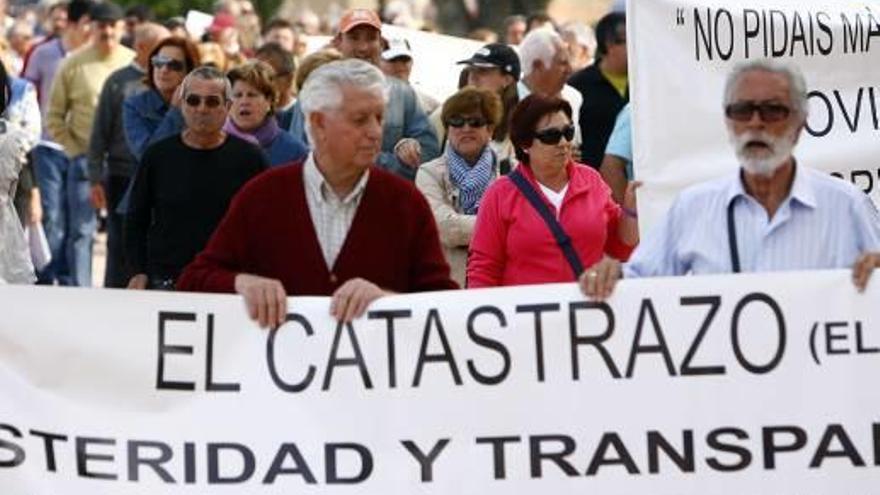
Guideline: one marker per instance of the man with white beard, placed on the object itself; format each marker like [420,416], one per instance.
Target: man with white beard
[772,214]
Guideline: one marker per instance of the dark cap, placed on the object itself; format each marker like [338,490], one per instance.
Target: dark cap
[106,12]
[496,55]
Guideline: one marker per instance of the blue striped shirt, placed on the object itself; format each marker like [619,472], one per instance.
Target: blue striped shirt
[825,222]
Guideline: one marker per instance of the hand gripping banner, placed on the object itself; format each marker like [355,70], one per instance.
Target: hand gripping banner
[724,385]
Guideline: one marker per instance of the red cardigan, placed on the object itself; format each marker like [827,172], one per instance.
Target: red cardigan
[513,246]
[267,231]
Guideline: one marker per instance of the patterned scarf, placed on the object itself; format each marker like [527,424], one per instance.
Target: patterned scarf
[261,136]
[471,181]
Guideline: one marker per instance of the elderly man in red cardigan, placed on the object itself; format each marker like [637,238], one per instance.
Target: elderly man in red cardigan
[333,225]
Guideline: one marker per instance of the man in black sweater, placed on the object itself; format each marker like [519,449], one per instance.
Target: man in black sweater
[185,184]
[604,86]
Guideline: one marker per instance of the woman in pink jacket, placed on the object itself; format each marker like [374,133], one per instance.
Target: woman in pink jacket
[551,218]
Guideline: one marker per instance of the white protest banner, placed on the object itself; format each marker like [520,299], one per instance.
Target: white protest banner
[752,384]
[681,52]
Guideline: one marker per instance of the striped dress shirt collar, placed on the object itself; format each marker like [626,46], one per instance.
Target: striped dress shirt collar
[331,216]
[802,189]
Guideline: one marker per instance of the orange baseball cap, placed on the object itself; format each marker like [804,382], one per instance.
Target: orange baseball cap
[359,17]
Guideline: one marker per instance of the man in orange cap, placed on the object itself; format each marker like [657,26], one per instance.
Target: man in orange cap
[407,137]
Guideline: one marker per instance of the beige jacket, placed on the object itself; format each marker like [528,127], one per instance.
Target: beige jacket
[504,149]
[455,227]
[75,92]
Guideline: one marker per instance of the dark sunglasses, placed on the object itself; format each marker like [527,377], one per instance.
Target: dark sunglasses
[769,112]
[211,101]
[554,134]
[159,61]
[474,122]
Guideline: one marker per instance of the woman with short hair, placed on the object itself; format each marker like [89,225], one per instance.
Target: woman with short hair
[251,116]
[552,217]
[455,182]
[154,114]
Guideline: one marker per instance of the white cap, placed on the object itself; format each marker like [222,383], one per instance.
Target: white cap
[397,47]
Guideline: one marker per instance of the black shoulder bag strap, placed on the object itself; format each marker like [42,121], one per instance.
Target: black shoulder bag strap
[556,229]
[731,237]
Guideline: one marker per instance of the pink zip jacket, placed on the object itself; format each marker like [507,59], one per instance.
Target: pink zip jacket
[513,246]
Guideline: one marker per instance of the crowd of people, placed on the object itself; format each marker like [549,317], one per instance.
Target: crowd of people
[236,161]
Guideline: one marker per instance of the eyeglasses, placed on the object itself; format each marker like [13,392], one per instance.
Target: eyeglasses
[473,122]
[211,101]
[554,134]
[769,112]
[160,61]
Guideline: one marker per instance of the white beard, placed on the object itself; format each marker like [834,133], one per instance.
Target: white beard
[780,149]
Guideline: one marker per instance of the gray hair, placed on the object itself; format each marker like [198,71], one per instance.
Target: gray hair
[540,44]
[583,34]
[208,73]
[20,27]
[797,85]
[322,91]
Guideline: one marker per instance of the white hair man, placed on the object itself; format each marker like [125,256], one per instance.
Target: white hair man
[774,214]
[20,36]
[333,225]
[581,42]
[546,66]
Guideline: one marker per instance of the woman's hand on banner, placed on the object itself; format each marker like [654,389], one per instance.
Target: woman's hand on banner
[598,281]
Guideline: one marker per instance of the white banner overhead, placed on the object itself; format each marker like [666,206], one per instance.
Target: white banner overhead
[725,385]
[682,50]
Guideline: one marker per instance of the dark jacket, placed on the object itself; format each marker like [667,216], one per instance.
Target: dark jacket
[599,111]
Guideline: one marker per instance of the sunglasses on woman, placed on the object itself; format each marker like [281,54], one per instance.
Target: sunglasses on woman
[159,61]
[555,134]
[211,101]
[473,122]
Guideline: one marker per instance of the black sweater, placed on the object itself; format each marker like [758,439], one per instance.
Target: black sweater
[180,194]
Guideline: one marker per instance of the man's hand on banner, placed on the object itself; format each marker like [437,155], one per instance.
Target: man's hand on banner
[264,298]
[352,298]
[863,267]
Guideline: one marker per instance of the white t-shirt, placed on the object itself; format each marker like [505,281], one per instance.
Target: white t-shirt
[554,197]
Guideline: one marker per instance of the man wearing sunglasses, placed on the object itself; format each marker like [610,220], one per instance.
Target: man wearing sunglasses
[185,183]
[772,214]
